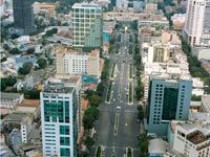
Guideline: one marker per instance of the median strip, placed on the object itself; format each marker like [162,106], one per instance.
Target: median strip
[130,93]
[108,96]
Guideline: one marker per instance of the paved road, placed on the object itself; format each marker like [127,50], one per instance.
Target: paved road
[117,127]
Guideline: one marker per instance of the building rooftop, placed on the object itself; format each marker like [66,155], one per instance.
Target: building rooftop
[67,50]
[94,53]
[10,96]
[196,137]
[172,77]
[85,4]
[29,103]
[56,86]
[205,99]
[157,146]
[14,117]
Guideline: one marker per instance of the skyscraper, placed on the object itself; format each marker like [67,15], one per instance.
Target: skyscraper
[23,16]
[197,24]
[87,25]
[169,99]
[58,116]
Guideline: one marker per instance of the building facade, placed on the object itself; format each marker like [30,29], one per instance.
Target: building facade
[197,24]
[59,124]
[23,16]
[87,25]
[169,99]
[69,61]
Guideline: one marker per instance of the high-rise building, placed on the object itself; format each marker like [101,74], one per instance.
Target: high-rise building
[87,25]
[59,120]
[169,99]
[23,16]
[197,25]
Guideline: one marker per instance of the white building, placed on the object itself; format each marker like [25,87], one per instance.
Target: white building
[197,25]
[198,87]
[192,141]
[26,125]
[69,61]
[59,124]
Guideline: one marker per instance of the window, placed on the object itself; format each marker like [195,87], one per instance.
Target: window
[65,152]
[64,130]
[64,141]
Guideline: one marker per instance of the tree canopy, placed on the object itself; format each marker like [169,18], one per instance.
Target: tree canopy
[91,114]
[8,81]
[42,63]
[25,69]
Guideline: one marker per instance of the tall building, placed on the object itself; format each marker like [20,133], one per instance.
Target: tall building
[197,25]
[23,16]
[59,121]
[87,25]
[169,99]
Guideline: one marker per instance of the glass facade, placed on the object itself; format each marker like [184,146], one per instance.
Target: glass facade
[170,103]
[56,110]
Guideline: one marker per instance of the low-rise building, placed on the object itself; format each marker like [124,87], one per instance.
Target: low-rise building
[205,103]
[178,21]
[190,138]
[49,9]
[28,106]
[157,147]
[198,87]
[10,100]
[192,141]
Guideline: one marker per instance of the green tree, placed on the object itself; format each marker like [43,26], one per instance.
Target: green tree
[89,142]
[31,93]
[100,89]
[140,112]
[30,51]
[8,81]
[95,100]
[14,51]
[91,114]
[143,144]
[3,85]
[25,69]
[42,63]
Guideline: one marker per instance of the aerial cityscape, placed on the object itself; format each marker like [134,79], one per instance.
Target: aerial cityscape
[105,78]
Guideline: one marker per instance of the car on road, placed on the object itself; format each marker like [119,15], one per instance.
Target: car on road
[118,108]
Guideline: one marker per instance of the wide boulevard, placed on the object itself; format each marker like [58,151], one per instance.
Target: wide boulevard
[118,126]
